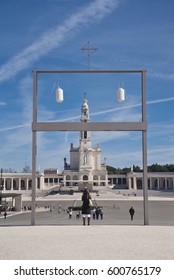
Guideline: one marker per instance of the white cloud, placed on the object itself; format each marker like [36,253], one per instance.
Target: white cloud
[53,38]
[164,76]
[160,154]
[160,129]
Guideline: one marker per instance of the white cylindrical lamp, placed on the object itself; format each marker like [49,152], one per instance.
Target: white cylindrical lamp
[59,95]
[121,95]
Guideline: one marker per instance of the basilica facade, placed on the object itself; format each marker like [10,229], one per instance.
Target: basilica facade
[85,168]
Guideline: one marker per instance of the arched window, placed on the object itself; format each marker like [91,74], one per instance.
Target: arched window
[156,184]
[85,178]
[30,184]
[139,184]
[75,178]
[148,182]
[15,185]
[22,185]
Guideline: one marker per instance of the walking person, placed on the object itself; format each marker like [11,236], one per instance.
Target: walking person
[70,213]
[131,212]
[97,213]
[93,213]
[59,209]
[101,213]
[86,211]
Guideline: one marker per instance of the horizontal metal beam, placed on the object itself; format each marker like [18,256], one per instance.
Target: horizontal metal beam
[89,126]
[87,71]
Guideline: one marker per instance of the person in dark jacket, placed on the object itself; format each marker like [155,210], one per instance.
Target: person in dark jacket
[86,211]
[131,212]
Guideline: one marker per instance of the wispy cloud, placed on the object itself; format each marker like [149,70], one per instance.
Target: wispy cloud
[164,76]
[160,154]
[161,100]
[53,38]
[15,127]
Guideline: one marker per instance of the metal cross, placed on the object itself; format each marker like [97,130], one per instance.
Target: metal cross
[90,50]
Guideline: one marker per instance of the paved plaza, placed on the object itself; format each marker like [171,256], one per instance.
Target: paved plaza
[55,236]
[115,209]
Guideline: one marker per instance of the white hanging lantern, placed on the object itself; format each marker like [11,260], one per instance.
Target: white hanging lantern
[121,95]
[59,95]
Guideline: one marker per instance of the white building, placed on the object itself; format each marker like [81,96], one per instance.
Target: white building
[85,168]
[20,182]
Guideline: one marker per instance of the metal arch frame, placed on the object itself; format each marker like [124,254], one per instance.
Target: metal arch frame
[90,126]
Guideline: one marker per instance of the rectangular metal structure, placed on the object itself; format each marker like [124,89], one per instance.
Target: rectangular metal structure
[89,126]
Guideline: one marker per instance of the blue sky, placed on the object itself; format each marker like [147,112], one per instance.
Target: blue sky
[49,34]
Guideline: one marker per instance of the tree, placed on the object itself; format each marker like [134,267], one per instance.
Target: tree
[136,168]
[151,168]
[161,168]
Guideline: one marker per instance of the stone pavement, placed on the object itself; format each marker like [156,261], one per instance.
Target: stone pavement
[87,243]
[95,242]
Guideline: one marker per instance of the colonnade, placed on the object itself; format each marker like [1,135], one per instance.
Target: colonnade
[132,181]
[154,182]
[17,181]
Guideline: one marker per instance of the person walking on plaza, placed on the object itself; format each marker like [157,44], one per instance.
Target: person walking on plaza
[131,212]
[70,213]
[97,213]
[101,213]
[86,211]
[93,213]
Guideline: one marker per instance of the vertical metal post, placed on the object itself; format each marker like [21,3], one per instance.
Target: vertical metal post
[1,187]
[144,151]
[34,148]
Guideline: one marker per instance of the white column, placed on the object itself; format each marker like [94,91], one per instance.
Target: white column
[27,184]
[158,187]
[150,179]
[12,184]
[129,183]
[4,184]
[19,184]
[165,183]
[134,183]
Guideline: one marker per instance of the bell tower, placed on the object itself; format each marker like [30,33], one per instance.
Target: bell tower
[85,136]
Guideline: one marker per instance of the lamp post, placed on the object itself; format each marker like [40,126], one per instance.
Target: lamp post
[90,126]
